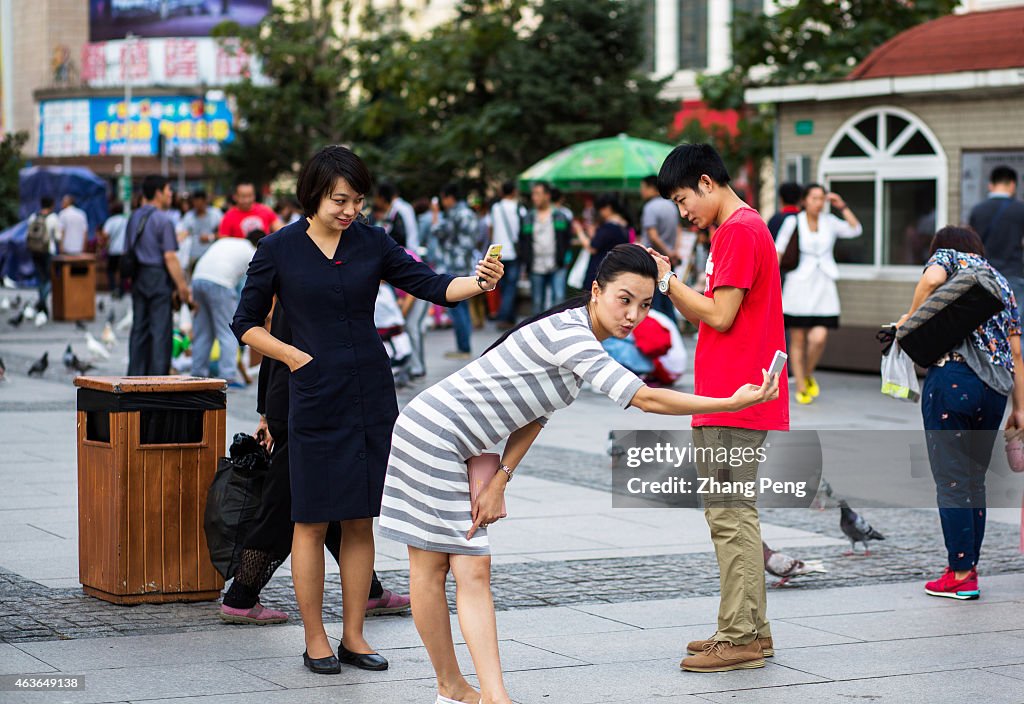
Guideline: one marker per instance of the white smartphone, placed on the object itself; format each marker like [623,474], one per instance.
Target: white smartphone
[778,362]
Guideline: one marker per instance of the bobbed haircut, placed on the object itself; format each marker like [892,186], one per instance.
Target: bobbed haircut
[1002,174]
[322,171]
[622,259]
[685,165]
[153,184]
[790,193]
[962,239]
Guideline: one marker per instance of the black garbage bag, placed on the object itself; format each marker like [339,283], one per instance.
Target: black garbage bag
[233,500]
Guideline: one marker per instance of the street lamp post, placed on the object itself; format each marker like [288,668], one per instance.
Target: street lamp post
[126,175]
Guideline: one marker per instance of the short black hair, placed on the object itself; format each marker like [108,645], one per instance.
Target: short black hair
[543,185]
[556,194]
[255,236]
[1003,174]
[117,208]
[387,191]
[685,165]
[810,187]
[318,175]
[607,200]
[199,193]
[153,184]
[790,192]
[651,181]
[46,202]
[962,239]
[243,182]
[451,190]
[508,188]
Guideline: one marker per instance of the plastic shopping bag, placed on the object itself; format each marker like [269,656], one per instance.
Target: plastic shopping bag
[899,379]
[578,274]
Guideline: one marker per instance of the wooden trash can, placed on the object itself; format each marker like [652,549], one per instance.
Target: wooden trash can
[147,452]
[74,287]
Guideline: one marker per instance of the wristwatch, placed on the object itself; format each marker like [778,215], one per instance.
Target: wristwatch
[507,470]
[663,283]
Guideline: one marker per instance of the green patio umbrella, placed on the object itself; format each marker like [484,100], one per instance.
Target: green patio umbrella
[612,164]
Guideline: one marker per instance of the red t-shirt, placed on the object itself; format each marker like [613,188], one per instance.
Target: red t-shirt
[743,256]
[239,223]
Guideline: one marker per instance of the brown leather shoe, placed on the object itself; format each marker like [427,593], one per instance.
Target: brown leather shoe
[720,656]
[695,647]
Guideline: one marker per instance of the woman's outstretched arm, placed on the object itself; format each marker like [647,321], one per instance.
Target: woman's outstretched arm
[676,403]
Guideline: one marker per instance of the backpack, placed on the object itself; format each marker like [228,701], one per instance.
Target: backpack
[38,238]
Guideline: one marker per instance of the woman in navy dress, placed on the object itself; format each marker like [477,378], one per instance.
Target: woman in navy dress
[325,270]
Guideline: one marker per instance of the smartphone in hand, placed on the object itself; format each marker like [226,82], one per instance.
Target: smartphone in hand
[778,362]
[493,252]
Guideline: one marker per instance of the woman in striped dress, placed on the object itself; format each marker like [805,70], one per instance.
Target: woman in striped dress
[508,393]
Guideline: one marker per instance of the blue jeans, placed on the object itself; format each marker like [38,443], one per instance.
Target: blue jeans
[212,321]
[42,265]
[462,325]
[540,284]
[962,417]
[507,311]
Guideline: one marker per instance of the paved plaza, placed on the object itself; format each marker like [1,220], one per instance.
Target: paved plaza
[595,603]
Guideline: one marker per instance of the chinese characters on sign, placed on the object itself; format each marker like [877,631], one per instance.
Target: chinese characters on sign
[177,62]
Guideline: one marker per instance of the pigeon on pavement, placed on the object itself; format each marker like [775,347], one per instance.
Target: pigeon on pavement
[38,367]
[786,567]
[95,347]
[856,529]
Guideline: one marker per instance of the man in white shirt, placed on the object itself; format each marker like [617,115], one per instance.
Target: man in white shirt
[400,209]
[199,225]
[215,282]
[506,223]
[74,227]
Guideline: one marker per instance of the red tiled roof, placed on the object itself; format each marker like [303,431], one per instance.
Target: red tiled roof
[976,41]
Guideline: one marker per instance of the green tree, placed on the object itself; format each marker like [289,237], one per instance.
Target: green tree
[478,99]
[11,162]
[807,41]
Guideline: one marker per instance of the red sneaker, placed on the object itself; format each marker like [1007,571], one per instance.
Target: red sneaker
[949,586]
[388,603]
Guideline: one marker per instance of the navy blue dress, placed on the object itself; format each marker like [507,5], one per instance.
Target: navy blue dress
[342,404]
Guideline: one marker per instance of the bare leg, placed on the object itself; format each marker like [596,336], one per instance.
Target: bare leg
[816,339]
[308,576]
[797,356]
[428,572]
[476,617]
[356,563]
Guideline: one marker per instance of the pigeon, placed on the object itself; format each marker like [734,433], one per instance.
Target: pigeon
[69,357]
[99,305]
[96,349]
[786,567]
[38,367]
[3,370]
[16,303]
[825,498]
[5,303]
[79,366]
[17,319]
[80,325]
[40,318]
[856,529]
[107,337]
[110,316]
[125,323]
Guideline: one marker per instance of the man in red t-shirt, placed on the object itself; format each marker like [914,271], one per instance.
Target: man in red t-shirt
[740,328]
[248,215]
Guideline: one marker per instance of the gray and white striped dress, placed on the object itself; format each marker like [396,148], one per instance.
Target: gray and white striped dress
[539,369]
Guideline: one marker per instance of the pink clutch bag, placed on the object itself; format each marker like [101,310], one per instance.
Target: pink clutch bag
[482,469]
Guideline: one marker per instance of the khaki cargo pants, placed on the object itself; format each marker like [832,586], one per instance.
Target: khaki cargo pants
[735,531]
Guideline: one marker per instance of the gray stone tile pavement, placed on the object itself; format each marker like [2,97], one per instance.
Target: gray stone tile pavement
[595,604]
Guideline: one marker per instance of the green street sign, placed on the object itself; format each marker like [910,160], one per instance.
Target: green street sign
[124,190]
[804,127]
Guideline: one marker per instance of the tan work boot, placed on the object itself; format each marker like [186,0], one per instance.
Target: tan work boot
[720,656]
[695,647]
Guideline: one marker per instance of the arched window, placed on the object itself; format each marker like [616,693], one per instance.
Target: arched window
[892,172]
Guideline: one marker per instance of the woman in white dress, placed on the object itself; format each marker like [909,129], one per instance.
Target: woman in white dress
[810,299]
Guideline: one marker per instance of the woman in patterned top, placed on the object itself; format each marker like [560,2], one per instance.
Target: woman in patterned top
[966,390]
[508,394]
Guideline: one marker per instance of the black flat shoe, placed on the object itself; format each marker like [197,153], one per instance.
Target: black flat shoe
[364,661]
[322,666]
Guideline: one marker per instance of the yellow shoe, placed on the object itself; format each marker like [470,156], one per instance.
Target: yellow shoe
[812,387]
[803,398]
